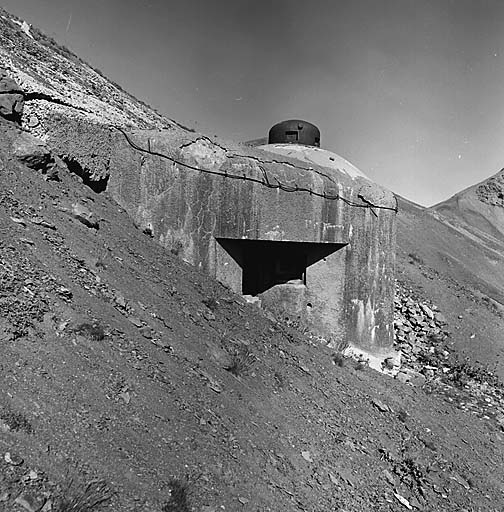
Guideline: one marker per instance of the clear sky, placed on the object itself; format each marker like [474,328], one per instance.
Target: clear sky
[410,91]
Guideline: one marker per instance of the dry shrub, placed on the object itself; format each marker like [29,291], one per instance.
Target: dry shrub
[241,362]
[83,497]
[178,500]
[92,331]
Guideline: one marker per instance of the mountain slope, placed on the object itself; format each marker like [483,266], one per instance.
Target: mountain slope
[478,209]
[458,267]
[126,369]
[114,367]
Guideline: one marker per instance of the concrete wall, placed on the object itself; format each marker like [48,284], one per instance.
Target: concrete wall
[349,293]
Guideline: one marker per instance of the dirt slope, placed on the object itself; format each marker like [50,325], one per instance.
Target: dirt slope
[149,399]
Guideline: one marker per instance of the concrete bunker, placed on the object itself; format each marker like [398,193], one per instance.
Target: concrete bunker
[297,226]
[321,234]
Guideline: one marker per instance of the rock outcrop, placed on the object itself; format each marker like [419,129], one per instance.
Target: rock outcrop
[11,97]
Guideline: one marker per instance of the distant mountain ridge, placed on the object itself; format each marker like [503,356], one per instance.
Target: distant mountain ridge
[454,253]
[479,208]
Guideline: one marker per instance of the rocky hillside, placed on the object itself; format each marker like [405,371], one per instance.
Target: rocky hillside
[445,262]
[154,388]
[53,79]
[129,381]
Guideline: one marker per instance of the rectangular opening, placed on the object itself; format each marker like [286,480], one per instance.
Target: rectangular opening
[291,136]
[266,263]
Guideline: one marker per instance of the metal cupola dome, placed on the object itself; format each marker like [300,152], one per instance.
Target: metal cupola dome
[294,131]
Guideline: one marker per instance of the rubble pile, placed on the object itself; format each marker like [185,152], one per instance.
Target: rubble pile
[421,335]
[423,338]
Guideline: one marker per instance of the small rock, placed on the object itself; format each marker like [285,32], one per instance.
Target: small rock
[243,501]
[333,479]
[306,456]
[380,405]
[125,396]
[136,321]
[415,503]
[388,363]
[500,420]
[13,459]
[65,292]
[120,300]
[403,500]
[47,506]
[84,215]
[33,153]
[427,310]
[209,315]
[18,221]
[30,502]
[429,374]
[43,223]
[4,496]
[33,121]
[412,377]
[146,332]
[389,477]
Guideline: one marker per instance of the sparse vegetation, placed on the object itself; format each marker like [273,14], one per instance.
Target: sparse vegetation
[279,379]
[84,497]
[178,500]
[338,360]
[177,248]
[100,263]
[410,472]
[402,416]
[211,303]
[360,365]
[241,362]
[94,331]
[463,372]
[14,420]
[414,258]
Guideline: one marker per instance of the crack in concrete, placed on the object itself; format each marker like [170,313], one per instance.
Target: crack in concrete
[203,137]
[265,181]
[282,162]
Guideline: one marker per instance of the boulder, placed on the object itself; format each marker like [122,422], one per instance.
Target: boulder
[412,377]
[11,98]
[83,214]
[32,152]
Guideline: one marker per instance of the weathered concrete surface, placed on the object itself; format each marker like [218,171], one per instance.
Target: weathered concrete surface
[349,292]
[205,198]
